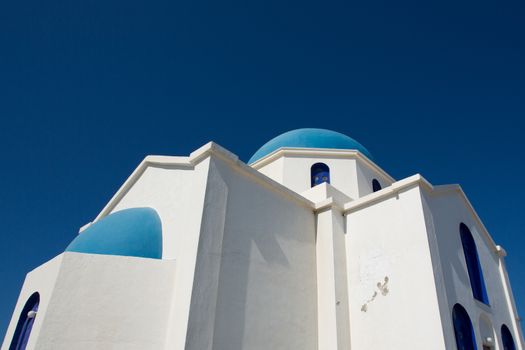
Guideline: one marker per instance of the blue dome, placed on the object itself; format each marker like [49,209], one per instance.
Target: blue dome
[129,232]
[309,138]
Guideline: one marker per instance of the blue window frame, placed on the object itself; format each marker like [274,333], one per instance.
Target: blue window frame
[475,273]
[376,186]
[465,338]
[319,173]
[25,323]
[506,338]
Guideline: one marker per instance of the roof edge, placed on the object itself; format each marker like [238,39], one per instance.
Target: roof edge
[418,180]
[325,152]
[195,157]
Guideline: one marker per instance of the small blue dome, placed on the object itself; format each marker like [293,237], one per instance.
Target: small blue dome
[309,138]
[129,232]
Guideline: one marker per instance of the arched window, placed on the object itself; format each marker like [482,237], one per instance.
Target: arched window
[473,266]
[319,173]
[376,186]
[465,338]
[25,323]
[506,338]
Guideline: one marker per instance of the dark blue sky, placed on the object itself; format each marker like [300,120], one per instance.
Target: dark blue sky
[88,88]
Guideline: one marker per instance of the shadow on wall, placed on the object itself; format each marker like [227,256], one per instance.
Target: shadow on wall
[447,231]
[255,271]
[450,249]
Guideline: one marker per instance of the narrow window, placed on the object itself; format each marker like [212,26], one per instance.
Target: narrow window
[319,173]
[475,273]
[376,186]
[506,338]
[25,323]
[465,339]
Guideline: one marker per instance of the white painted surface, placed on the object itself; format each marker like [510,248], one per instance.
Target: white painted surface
[41,280]
[274,170]
[259,266]
[108,302]
[393,301]
[262,271]
[350,172]
[365,176]
[446,212]
[240,211]
[332,277]
[343,176]
[91,301]
[177,194]
[323,191]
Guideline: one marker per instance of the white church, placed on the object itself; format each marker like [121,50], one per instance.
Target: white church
[311,245]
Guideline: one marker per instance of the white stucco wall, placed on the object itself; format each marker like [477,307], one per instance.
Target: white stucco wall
[365,176]
[255,279]
[444,214]
[348,173]
[41,280]
[343,173]
[274,170]
[261,267]
[176,192]
[245,254]
[108,302]
[91,301]
[332,281]
[393,297]
[323,191]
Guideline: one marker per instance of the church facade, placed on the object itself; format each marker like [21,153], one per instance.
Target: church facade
[311,245]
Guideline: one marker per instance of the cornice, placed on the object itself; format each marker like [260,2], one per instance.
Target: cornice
[208,150]
[320,152]
[419,181]
[212,149]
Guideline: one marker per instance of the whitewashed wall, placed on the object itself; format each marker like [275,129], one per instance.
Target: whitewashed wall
[177,194]
[351,176]
[255,279]
[343,173]
[274,170]
[91,301]
[365,175]
[332,278]
[261,267]
[41,280]
[393,298]
[444,214]
[245,254]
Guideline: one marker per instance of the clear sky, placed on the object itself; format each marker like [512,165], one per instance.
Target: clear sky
[88,88]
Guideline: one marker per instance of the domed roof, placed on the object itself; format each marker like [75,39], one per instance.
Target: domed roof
[310,138]
[129,232]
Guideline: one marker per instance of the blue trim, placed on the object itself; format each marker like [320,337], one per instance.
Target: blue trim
[25,324]
[507,339]
[475,273]
[319,173]
[130,232]
[309,138]
[463,331]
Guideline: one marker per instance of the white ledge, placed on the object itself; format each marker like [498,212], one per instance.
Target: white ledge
[197,156]
[319,152]
[214,149]
[418,180]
